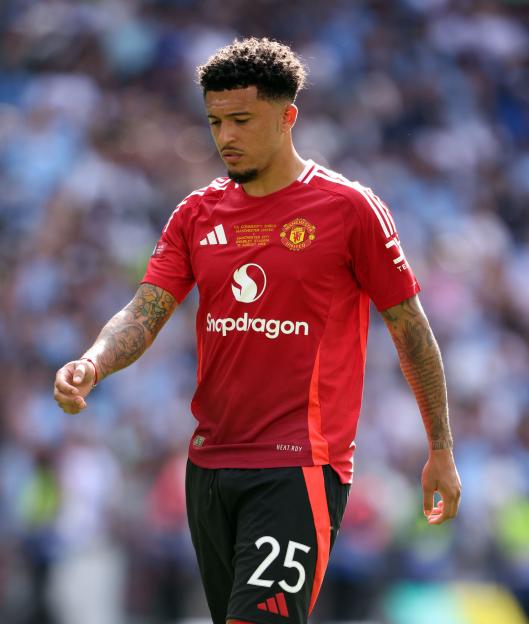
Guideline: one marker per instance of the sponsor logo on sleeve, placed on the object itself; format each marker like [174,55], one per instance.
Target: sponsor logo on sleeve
[159,248]
[396,249]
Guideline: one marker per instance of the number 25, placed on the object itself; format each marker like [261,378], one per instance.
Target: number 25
[289,562]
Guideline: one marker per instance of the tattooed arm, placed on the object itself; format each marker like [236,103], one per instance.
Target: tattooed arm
[421,364]
[420,361]
[121,342]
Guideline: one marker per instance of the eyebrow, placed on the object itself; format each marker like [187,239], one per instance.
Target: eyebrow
[232,114]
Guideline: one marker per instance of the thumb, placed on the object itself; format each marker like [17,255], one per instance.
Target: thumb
[428,494]
[79,373]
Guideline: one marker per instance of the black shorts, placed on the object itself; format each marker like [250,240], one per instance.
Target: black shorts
[263,538]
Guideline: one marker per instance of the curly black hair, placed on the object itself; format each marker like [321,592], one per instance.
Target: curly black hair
[271,66]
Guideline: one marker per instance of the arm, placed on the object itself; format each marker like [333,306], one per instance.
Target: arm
[120,343]
[421,364]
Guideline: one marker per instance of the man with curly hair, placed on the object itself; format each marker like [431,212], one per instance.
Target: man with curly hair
[287,255]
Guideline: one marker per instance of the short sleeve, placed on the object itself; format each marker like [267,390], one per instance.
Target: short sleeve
[377,258]
[169,266]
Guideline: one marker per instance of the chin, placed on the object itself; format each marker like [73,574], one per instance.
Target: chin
[241,177]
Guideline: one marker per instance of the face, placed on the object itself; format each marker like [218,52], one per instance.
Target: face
[247,131]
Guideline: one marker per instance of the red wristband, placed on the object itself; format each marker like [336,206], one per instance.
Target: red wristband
[95,370]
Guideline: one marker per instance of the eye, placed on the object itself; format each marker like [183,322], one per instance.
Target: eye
[240,121]
[214,122]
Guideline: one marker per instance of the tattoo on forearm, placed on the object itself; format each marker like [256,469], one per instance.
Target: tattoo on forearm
[421,364]
[121,343]
[128,334]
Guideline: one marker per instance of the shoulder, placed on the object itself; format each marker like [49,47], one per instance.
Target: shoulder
[359,201]
[330,181]
[215,189]
[191,203]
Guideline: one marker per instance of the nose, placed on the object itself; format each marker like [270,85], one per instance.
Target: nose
[226,134]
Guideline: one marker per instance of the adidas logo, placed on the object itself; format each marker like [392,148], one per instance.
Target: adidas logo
[277,604]
[215,237]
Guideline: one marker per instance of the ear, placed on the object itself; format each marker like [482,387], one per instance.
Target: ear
[290,114]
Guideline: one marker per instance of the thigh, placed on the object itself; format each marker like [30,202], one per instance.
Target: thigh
[287,520]
[213,536]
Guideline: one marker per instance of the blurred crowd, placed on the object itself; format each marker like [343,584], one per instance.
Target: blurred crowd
[102,133]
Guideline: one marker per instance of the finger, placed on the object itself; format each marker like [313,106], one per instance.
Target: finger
[437,515]
[63,379]
[79,374]
[63,398]
[454,505]
[437,518]
[442,511]
[450,508]
[70,407]
[451,501]
[428,494]
[72,410]
[64,387]
[438,508]
[457,503]
[68,401]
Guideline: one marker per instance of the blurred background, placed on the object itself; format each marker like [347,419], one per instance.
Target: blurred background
[102,133]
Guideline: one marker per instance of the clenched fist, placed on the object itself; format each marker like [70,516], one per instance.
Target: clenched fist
[73,384]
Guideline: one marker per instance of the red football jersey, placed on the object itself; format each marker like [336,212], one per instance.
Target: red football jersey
[284,283]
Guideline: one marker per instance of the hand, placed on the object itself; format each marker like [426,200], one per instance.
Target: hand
[73,383]
[440,475]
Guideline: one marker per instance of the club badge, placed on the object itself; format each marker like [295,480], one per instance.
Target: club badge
[298,234]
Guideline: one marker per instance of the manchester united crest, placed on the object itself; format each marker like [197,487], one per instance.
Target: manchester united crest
[298,234]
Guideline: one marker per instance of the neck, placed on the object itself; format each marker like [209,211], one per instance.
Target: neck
[281,172]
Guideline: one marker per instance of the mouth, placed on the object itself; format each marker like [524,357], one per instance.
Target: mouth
[231,156]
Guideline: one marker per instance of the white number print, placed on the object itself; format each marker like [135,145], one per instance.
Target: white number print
[289,562]
[255,578]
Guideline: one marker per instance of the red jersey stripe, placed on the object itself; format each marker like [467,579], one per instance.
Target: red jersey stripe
[319,445]
[318,501]
[363,324]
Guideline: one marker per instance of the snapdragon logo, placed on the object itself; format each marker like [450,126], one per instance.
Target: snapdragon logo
[271,328]
[247,289]
[249,283]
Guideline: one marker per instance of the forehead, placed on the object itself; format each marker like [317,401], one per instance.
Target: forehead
[235,101]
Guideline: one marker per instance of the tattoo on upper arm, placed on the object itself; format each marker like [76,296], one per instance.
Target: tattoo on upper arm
[390,316]
[151,306]
[421,363]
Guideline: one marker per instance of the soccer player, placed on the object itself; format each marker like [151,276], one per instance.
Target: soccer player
[287,255]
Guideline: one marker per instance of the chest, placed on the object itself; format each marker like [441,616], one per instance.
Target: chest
[286,243]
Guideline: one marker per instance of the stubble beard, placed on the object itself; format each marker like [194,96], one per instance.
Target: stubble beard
[242,177]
